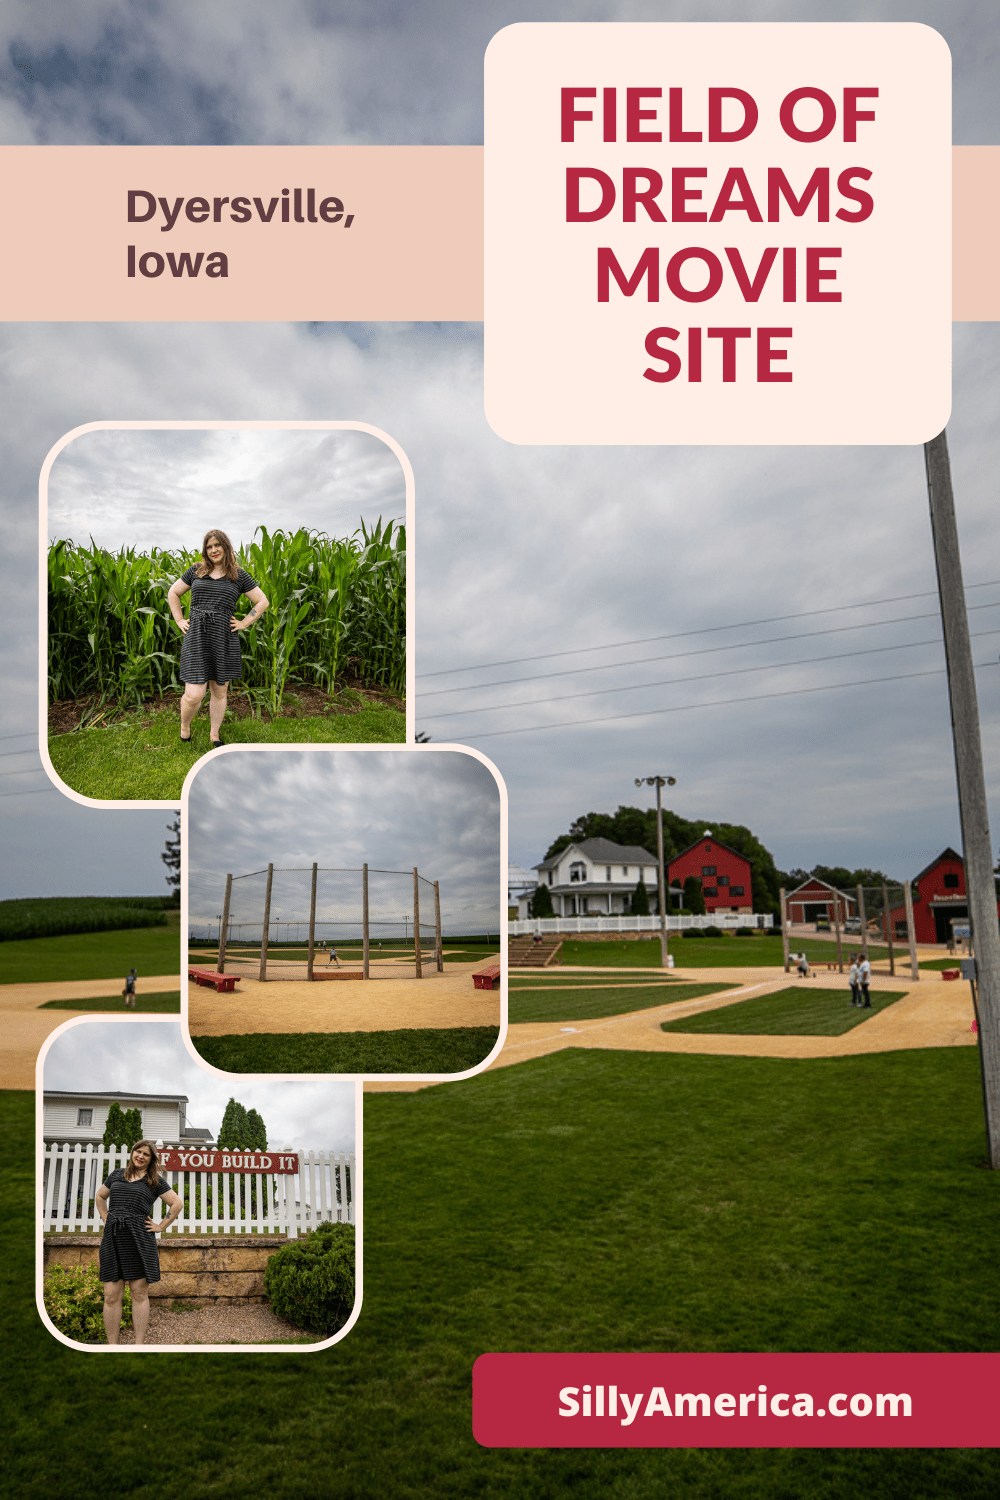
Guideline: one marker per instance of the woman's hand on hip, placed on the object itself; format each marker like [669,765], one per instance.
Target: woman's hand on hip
[183,626]
[152,1225]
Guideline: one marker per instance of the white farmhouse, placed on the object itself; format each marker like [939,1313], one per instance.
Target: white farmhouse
[595,878]
[71,1117]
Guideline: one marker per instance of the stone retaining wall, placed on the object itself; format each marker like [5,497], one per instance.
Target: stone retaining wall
[202,1269]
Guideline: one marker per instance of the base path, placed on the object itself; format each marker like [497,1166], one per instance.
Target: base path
[23,1027]
[933,1013]
[282,1006]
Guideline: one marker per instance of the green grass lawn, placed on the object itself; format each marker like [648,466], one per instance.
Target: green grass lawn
[92,955]
[584,1201]
[427,1050]
[606,1000]
[144,759]
[939,963]
[802,1010]
[166,1002]
[568,979]
[703,953]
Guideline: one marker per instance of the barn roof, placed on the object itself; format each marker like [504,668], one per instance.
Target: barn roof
[712,839]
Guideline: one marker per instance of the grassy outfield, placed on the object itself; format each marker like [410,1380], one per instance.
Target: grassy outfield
[166,1002]
[451,1049]
[567,979]
[799,1011]
[143,758]
[703,953]
[575,1004]
[92,955]
[746,1204]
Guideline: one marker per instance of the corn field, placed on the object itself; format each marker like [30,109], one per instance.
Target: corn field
[335,606]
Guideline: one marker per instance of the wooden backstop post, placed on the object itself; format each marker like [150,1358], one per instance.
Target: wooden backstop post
[836,923]
[438,954]
[888,927]
[784,931]
[312,926]
[908,899]
[416,923]
[220,967]
[364,920]
[863,915]
[267,923]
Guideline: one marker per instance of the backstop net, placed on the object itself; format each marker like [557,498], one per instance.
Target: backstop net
[876,921]
[311,923]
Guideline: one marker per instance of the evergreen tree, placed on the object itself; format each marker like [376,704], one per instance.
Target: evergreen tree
[116,1129]
[234,1132]
[171,857]
[258,1131]
[541,902]
[133,1126]
[694,899]
[640,900]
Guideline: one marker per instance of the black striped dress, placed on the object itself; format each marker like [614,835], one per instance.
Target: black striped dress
[210,650]
[128,1250]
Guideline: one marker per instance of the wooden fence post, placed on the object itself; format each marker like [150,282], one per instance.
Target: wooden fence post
[862,914]
[437,929]
[267,923]
[836,920]
[312,925]
[784,931]
[908,899]
[416,923]
[888,927]
[364,921]
[220,967]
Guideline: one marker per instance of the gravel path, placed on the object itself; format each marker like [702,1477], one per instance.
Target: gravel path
[253,1324]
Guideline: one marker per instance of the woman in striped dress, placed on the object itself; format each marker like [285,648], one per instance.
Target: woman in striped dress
[210,650]
[128,1244]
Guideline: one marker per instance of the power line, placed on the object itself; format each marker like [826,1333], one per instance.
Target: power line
[642,661]
[715,703]
[516,661]
[635,687]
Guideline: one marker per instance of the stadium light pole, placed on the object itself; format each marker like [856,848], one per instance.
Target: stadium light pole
[660,782]
[977,847]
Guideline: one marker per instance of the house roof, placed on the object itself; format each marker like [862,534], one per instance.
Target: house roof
[712,839]
[115,1094]
[602,851]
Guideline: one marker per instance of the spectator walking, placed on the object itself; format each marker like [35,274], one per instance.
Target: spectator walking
[865,977]
[129,990]
[854,975]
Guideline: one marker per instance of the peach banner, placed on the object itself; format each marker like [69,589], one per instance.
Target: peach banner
[406,241]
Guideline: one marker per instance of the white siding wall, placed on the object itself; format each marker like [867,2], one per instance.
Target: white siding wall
[159,1121]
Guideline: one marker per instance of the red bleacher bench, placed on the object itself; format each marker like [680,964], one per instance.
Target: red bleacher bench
[487,978]
[951,973]
[224,983]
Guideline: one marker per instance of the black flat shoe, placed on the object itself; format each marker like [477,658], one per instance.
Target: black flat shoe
[185,741]
[214,744]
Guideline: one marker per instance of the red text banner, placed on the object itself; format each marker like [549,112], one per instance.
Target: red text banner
[735,1400]
[279,1163]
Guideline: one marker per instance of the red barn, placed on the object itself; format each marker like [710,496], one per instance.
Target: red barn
[938,895]
[725,875]
[816,901]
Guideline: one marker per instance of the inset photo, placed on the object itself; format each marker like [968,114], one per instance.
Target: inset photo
[210,584]
[344,911]
[178,1212]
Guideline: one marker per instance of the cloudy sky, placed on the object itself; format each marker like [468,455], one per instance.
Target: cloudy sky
[146,489]
[436,809]
[525,552]
[91,1056]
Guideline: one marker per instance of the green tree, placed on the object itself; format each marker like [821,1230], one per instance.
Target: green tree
[694,898]
[234,1132]
[116,1128]
[640,900]
[258,1131]
[541,902]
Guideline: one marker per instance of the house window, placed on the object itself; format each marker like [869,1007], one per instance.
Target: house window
[723,879]
[624,869]
[607,872]
[84,1117]
[951,882]
[577,872]
[710,890]
[708,869]
[550,877]
[736,890]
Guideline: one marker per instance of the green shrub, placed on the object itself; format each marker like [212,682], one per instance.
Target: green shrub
[744,932]
[692,932]
[311,1281]
[74,1300]
[712,931]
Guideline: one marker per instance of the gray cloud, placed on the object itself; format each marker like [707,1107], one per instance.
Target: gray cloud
[149,1057]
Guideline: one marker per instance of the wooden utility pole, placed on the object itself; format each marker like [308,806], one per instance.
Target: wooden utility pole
[836,924]
[908,903]
[312,926]
[416,923]
[784,931]
[262,975]
[660,782]
[438,950]
[888,927]
[977,846]
[364,921]
[220,967]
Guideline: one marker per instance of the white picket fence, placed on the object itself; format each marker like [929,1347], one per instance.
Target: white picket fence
[676,922]
[323,1190]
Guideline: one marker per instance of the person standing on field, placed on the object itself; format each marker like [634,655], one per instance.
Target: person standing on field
[854,975]
[129,990]
[865,976]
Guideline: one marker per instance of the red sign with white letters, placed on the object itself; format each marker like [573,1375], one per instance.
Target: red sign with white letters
[181,1159]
